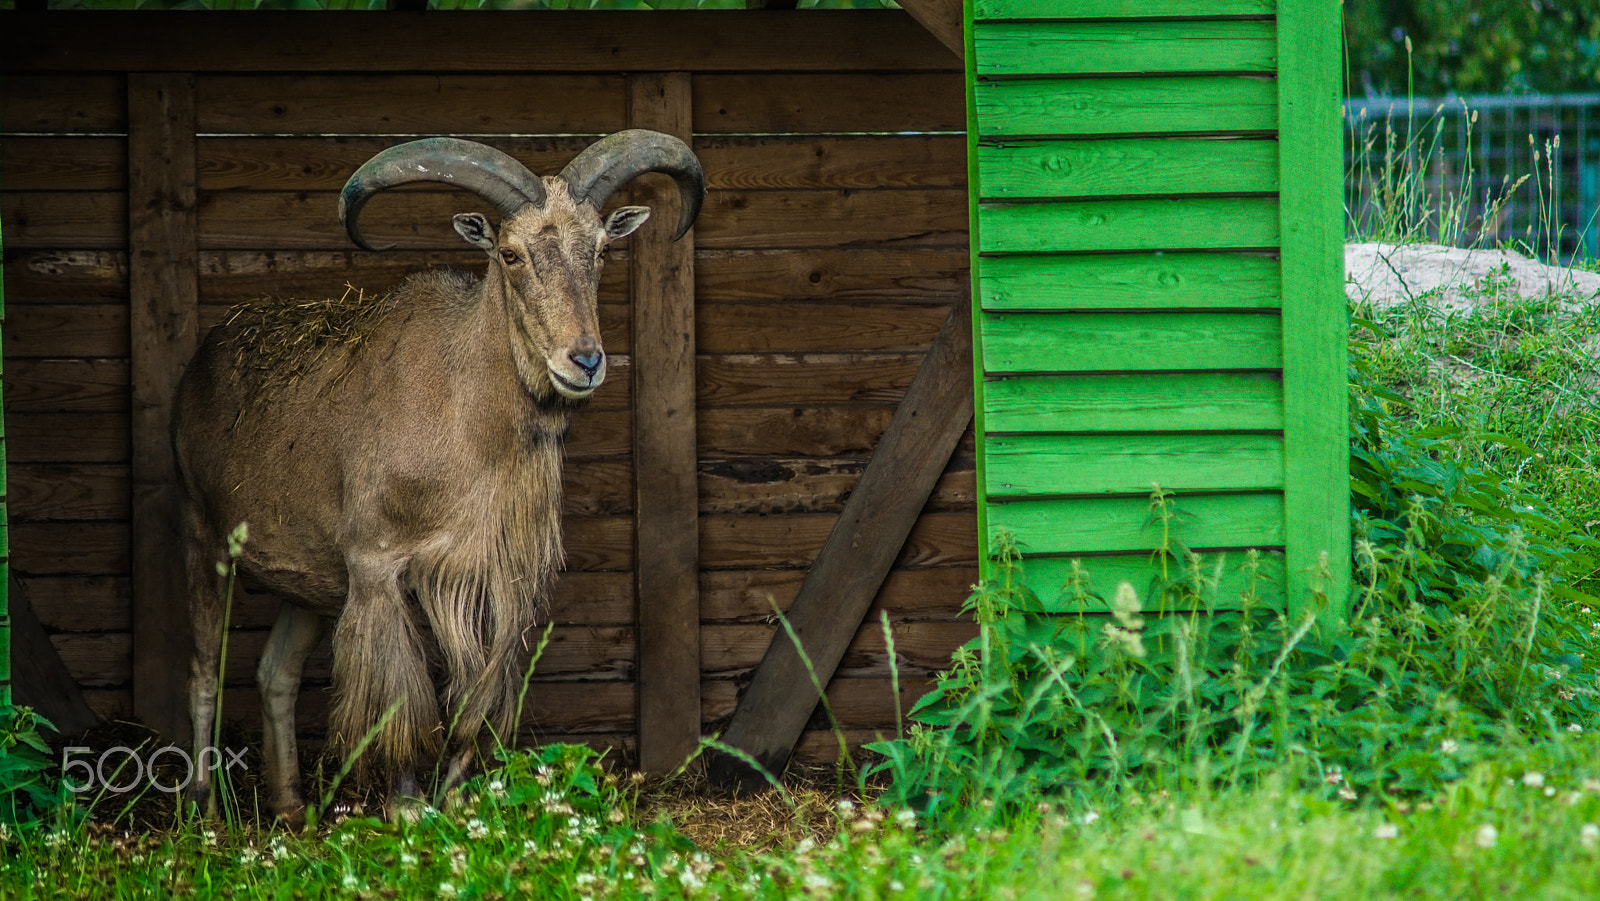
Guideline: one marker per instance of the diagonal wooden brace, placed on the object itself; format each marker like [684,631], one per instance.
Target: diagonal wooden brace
[856,558]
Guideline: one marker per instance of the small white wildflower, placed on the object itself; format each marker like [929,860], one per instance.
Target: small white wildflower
[1386,830]
[896,885]
[408,859]
[249,856]
[1090,818]
[447,889]
[209,836]
[1334,776]
[846,806]
[1449,746]
[905,816]
[1549,791]
[1591,785]
[350,881]
[497,787]
[818,882]
[476,830]
[1486,836]
[1589,836]
[1348,793]
[1533,779]
[1574,727]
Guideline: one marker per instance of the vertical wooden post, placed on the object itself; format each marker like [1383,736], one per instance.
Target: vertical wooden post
[665,492]
[1315,331]
[163,297]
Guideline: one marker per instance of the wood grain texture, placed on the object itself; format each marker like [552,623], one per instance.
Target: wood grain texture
[1200,401]
[1124,48]
[863,101]
[57,220]
[1131,281]
[1127,166]
[87,163]
[922,595]
[1205,104]
[45,492]
[64,330]
[61,103]
[579,41]
[67,437]
[1057,465]
[1191,223]
[942,18]
[163,298]
[1122,342]
[858,554]
[39,678]
[794,540]
[810,485]
[1316,398]
[803,379]
[70,385]
[1104,525]
[666,561]
[856,274]
[1116,9]
[798,328]
[66,276]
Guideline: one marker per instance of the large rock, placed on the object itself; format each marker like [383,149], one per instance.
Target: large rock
[1451,279]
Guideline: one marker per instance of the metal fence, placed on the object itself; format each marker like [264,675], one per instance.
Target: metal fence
[1465,170]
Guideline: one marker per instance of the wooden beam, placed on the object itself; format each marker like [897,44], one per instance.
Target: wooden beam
[578,41]
[856,557]
[163,304]
[42,681]
[942,18]
[666,502]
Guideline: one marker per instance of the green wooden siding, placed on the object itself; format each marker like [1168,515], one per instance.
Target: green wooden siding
[1156,257]
[5,540]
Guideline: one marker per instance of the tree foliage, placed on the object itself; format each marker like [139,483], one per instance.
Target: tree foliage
[1472,46]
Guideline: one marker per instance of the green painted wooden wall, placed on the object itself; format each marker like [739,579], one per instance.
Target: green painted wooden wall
[5,544]
[1157,239]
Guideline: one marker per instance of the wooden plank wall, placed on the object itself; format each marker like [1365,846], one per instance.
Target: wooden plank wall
[832,244]
[1131,284]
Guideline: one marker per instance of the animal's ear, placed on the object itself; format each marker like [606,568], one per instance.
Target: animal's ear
[624,221]
[476,229]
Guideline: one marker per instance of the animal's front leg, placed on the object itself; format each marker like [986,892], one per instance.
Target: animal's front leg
[294,636]
[380,675]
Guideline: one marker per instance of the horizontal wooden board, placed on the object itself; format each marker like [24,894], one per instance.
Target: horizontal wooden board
[1131,281]
[802,431]
[920,648]
[42,492]
[1128,47]
[1206,104]
[578,40]
[795,328]
[65,330]
[809,485]
[420,220]
[83,163]
[1127,166]
[768,379]
[1103,525]
[312,163]
[1223,577]
[76,548]
[66,386]
[1055,465]
[1190,223]
[361,104]
[793,540]
[934,593]
[1117,9]
[598,543]
[67,603]
[67,437]
[65,276]
[1189,401]
[1095,341]
[833,161]
[61,103]
[62,220]
[879,101]
[854,274]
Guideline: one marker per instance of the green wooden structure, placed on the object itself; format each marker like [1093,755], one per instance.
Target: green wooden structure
[5,547]
[1157,250]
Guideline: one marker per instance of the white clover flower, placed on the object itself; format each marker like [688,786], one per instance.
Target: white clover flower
[1386,830]
[818,882]
[497,787]
[1334,776]
[210,836]
[1591,785]
[249,856]
[1533,779]
[1486,836]
[1089,818]
[350,881]
[1449,746]
[447,889]
[1348,793]
[476,830]
[1589,836]
[905,816]
[408,859]
[1574,727]
[896,885]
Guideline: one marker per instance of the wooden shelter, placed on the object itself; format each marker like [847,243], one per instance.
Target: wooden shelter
[788,418]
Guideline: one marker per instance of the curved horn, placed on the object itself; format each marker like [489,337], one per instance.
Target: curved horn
[479,168]
[613,160]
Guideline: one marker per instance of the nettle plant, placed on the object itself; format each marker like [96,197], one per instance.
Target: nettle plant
[1463,636]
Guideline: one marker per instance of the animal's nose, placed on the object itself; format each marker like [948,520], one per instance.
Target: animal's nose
[588,362]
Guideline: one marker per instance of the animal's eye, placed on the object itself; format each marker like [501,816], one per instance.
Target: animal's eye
[509,257]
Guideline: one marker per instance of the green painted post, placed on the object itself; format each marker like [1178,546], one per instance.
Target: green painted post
[5,542]
[1157,257]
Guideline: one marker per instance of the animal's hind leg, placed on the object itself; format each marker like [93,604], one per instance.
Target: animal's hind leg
[205,616]
[294,636]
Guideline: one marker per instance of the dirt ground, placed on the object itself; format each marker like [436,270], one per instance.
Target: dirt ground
[1451,279]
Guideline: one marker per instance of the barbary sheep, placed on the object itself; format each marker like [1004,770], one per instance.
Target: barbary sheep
[398,460]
